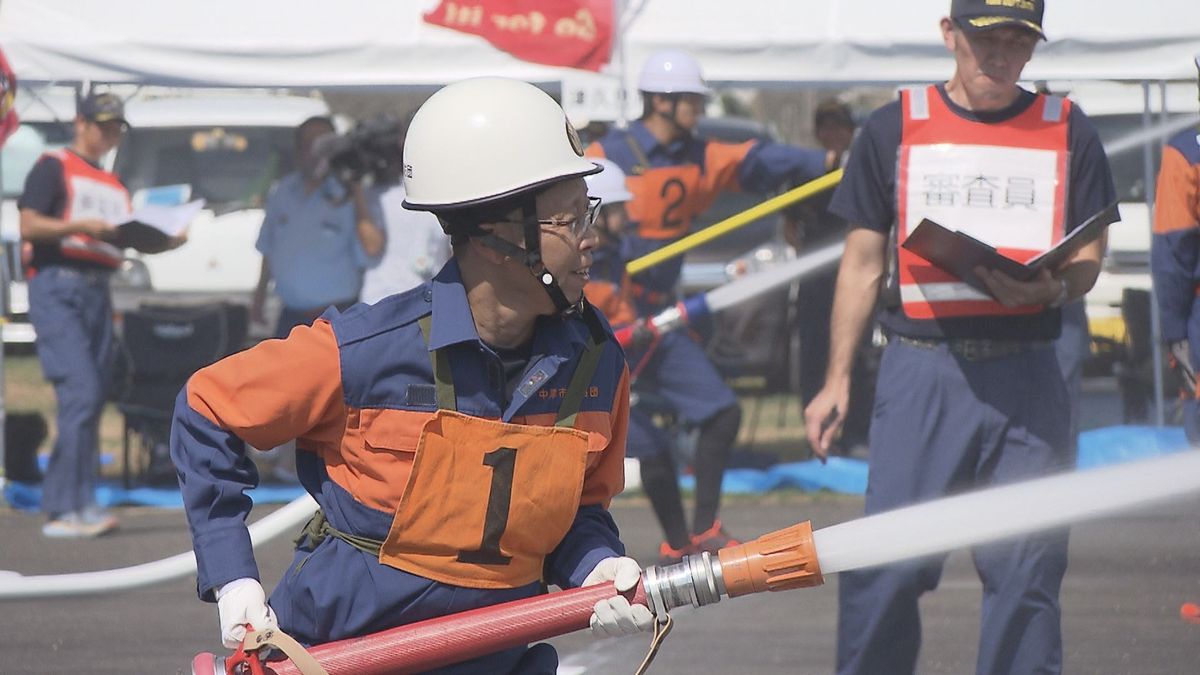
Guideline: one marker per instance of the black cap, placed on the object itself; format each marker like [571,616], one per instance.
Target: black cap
[979,15]
[103,108]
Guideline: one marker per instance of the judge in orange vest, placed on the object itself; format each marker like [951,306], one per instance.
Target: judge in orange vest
[69,208]
[970,392]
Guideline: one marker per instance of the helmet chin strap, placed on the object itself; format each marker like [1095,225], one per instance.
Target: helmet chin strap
[673,118]
[531,256]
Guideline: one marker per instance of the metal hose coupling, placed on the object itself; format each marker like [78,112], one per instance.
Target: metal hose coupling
[778,561]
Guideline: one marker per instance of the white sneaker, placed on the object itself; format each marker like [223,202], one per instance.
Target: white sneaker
[100,518]
[77,525]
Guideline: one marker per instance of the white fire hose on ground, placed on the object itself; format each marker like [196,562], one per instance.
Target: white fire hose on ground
[15,586]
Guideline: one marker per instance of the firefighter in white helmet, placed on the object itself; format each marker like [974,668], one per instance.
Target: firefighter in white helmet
[609,296]
[1175,263]
[674,176]
[463,438]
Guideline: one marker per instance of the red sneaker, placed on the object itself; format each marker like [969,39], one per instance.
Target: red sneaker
[1190,612]
[713,539]
[671,556]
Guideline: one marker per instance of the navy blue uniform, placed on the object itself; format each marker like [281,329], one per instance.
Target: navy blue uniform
[946,421]
[361,401]
[71,310]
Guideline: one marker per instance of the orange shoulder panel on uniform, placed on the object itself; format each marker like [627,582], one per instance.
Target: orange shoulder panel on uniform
[611,301]
[277,391]
[1177,200]
[605,477]
[594,150]
[721,162]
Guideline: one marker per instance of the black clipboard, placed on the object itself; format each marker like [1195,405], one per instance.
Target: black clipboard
[140,237]
[959,253]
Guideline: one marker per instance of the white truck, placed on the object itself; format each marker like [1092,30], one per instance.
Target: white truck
[226,146]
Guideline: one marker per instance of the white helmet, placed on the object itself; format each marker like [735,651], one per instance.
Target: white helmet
[609,184]
[672,71]
[485,139]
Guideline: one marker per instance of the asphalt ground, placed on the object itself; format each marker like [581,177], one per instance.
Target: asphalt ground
[1128,576]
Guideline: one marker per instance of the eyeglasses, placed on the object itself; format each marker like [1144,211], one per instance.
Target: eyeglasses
[578,225]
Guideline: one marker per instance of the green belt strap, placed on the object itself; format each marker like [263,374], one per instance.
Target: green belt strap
[443,379]
[579,384]
[318,529]
[643,162]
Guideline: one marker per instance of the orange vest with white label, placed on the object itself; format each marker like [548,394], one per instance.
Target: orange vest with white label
[91,193]
[1002,183]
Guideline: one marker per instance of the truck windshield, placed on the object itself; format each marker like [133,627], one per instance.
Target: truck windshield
[229,167]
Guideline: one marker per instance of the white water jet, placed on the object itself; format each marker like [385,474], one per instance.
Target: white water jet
[1153,134]
[997,513]
[776,275]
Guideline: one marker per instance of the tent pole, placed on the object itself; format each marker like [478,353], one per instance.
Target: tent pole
[622,25]
[1155,328]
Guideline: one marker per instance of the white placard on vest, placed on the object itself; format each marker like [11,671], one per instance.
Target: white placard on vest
[1005,197]
[95,199]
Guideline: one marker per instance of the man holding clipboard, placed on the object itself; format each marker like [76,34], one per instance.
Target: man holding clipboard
[970,392]
[70,208]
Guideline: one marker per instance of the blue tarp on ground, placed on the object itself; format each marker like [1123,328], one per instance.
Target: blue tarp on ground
[26,497]
[1097,447]
[1113,445]
[839,474]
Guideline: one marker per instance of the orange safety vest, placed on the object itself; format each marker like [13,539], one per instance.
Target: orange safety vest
[1004,184]
[91,193]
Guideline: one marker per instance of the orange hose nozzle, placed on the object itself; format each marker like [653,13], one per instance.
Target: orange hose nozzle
[777,561]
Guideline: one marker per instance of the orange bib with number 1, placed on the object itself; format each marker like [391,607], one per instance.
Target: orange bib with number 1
[486,501]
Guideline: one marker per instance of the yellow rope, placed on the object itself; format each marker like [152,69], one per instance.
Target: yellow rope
[731,223]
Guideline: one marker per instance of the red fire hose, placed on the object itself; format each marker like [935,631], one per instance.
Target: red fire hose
[781,560]
[453,638]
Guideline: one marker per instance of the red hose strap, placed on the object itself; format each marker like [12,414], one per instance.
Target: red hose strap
[258,640]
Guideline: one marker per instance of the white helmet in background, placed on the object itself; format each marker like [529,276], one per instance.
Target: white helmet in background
[609,184]
[672,71]
[487,139]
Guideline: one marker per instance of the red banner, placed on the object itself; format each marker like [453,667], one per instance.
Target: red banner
[8,95]
[572,33]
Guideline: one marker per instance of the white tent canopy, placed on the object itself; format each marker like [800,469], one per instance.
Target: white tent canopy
[361,43]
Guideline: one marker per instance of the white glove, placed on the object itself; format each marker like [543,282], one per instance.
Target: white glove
[241,602]
[614,616]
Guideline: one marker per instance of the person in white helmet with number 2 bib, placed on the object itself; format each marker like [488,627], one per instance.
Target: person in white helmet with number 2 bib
[674,176]
[463,438]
